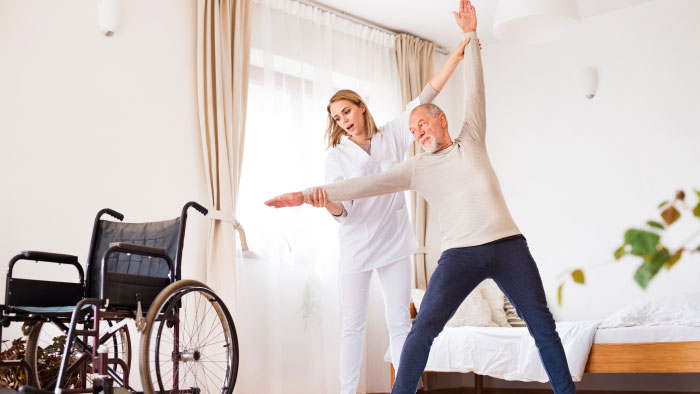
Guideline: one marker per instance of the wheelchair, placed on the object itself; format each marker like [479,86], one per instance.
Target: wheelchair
[188,338]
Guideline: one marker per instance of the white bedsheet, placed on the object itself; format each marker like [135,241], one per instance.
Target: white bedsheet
[507,352]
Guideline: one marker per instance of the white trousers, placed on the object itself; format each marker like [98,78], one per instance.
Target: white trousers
[395,280]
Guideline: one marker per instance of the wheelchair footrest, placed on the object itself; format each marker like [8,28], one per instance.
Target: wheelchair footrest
[33,390]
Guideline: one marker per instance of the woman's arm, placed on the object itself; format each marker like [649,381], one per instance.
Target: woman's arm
[399,126]
[333,208]
[333,173]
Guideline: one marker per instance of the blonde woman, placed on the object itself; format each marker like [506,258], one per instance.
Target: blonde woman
[375,233]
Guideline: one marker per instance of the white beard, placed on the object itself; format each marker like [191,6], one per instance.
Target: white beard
[432,145]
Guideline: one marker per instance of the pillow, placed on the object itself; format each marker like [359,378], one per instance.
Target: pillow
[496,300]
[474,310]
[678,310]
[514,319]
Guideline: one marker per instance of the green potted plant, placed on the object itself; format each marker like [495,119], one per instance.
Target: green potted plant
[646,246]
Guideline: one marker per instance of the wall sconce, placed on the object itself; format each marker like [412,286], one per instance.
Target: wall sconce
[107,14]
[535,21]
[590,81]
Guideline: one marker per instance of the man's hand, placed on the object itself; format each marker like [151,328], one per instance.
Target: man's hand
[466,17]
[286,200]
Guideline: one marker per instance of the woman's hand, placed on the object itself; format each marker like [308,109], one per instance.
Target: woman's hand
[318,198]
[458,53]
[286,200]
[466,17]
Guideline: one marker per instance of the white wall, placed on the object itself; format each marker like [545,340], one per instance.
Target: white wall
[89,122]
[577,173]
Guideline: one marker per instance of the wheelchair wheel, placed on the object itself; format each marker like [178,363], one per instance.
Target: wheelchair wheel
[190,342]
[45,344]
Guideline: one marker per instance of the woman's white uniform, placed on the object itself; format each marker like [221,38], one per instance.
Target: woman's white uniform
[376,234]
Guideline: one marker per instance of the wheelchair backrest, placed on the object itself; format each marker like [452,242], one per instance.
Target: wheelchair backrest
[165,235]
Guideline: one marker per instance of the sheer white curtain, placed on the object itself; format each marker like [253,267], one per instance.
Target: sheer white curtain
[289,321]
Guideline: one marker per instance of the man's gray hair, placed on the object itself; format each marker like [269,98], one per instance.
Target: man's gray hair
[433,110]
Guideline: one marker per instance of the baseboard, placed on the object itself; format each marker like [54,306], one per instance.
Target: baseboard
[467,390]
[538,391]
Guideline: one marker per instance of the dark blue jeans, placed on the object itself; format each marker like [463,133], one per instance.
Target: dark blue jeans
[509,263]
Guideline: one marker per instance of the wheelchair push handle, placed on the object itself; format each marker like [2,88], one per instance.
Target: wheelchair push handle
[112,213]
[197,206]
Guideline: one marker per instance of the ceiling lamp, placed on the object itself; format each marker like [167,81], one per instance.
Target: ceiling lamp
[535,21]
[107,16]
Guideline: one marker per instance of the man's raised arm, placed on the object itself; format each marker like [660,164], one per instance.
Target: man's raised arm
[396,179]
[474,124]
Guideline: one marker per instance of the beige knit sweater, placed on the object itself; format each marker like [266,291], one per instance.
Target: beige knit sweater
[459,181]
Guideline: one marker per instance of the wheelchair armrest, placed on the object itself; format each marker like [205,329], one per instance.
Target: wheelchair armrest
[50,257]
[127,247]
[47,257]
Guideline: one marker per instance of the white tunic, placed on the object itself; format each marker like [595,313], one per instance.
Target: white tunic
[376,231]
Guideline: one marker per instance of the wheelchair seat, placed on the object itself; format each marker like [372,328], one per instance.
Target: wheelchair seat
[52,311]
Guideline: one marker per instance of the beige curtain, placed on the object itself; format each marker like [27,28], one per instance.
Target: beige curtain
[414,59]
[223,51]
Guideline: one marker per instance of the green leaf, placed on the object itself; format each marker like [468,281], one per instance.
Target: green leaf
[643,242]
[619,252]
[643,276]
[651,267]
[696,211]
[661,205]
[660,258]
[670,215]
[559,293]
[674,258]
[578,277]
[655,224]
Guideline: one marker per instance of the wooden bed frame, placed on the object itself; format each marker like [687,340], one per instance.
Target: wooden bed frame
[652,357]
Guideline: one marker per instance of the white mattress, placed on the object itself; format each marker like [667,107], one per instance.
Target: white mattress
[642,334]
[507,353]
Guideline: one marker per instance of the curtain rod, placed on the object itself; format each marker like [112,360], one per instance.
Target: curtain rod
[353,18]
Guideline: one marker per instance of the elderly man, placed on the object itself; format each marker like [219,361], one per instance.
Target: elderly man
[479,237]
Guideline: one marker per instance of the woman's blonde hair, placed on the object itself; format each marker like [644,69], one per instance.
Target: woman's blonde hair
[334,133]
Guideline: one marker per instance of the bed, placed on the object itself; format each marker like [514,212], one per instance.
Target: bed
[660,336]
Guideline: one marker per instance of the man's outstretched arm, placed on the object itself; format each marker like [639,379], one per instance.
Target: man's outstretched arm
[474,124]
[396,179]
